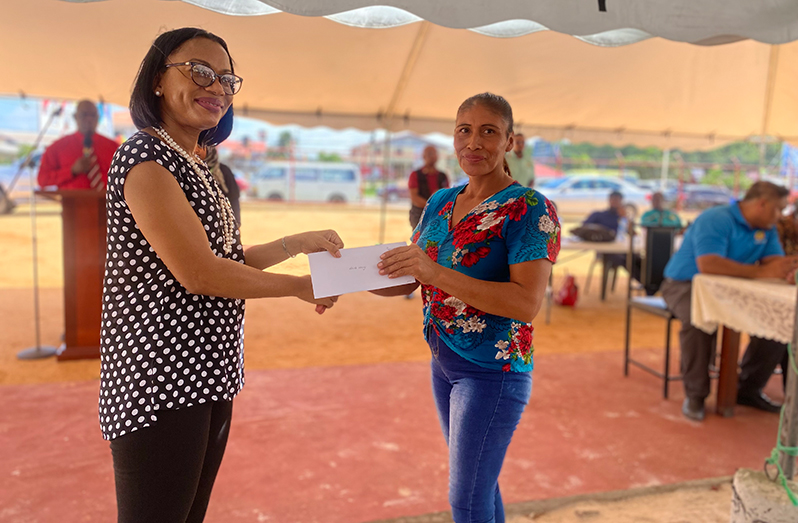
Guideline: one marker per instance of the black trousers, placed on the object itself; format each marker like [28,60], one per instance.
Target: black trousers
[165,473]
[619,260]
[759,361]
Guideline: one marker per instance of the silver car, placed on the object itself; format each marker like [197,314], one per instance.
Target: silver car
[585,193]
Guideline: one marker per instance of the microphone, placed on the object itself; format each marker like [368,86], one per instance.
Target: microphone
[88,141]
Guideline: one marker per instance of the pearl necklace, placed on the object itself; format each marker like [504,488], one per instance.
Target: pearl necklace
[228,218]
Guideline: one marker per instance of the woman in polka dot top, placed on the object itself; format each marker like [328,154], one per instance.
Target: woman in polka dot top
[175,283]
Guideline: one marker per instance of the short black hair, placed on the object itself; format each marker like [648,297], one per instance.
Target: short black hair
[767,190]
[145,107]
[616,194]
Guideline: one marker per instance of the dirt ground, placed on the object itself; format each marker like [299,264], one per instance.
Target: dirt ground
[286,333]
[688,505]
[361,329]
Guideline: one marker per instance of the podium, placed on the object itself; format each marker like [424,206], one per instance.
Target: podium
[83,230]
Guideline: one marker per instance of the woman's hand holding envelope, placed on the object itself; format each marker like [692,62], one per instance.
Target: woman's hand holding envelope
[409,261]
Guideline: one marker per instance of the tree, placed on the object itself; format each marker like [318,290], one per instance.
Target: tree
[581,155]
[285,139]
[330,157]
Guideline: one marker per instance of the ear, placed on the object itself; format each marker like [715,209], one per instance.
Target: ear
[156,85]
[510,143]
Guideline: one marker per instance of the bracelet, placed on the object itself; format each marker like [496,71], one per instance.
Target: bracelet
[286,249]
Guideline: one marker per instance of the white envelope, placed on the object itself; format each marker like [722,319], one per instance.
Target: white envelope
[356,270]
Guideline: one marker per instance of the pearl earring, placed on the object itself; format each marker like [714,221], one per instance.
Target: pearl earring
[157,93]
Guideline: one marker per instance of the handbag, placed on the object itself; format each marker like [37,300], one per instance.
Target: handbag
[568,293]
[593,232]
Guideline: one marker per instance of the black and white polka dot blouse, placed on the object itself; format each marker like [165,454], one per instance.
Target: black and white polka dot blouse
[162,347]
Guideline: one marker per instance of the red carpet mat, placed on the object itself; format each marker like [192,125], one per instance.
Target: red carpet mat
[356,444]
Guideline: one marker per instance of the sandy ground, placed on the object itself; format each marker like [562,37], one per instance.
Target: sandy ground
[285,333]
[361,329]
[689,505]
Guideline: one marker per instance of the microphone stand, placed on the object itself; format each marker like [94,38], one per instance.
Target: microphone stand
[38,351]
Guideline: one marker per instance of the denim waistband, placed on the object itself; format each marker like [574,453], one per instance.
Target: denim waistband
[450,360]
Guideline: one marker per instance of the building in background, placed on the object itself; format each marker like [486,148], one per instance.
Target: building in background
[404,156]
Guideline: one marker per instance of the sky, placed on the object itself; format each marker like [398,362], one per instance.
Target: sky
[26,115]
[16,115]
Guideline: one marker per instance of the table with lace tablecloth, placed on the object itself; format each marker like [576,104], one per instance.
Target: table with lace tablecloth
[762,308]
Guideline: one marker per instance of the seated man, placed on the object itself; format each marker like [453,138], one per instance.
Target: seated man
[610,218]
[659,216]
[614,219]
[733,240]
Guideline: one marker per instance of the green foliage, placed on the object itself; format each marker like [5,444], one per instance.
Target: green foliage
[744,152]
[582,155]
[277,155]
[717,177]
[285,139]
[330,157]
[24,150]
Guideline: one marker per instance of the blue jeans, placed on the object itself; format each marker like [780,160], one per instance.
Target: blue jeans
[478,409]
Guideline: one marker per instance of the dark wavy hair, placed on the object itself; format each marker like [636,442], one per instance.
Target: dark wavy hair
[145,107]
[494,103]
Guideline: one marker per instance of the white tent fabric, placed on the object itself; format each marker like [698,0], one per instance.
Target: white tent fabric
[602,22]
[316,71]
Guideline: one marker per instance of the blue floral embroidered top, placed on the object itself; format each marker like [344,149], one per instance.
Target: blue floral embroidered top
[515,225]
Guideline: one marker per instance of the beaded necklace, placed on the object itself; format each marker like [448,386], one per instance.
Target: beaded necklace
[228,218]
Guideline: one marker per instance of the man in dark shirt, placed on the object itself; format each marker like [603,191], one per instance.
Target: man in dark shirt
[423,183]
[611,217]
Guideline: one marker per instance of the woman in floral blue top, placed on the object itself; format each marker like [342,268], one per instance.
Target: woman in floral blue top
[482,254]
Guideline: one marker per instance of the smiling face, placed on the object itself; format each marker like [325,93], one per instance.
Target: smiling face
[481,140]
[186,103]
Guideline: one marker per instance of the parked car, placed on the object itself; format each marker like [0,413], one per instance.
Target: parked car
[312,182]
[700,196]
[585,193]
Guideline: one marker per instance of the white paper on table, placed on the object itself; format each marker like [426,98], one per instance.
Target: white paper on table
[356,270]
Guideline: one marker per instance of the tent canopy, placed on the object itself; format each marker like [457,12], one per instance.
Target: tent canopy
[413,74]
[617,22]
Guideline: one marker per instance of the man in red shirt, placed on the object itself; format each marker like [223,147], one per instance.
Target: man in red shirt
[80,160]
[423,182]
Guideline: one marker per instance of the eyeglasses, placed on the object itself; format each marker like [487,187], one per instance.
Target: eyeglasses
[204,76]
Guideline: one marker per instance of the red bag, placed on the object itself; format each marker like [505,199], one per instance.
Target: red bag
[568,293]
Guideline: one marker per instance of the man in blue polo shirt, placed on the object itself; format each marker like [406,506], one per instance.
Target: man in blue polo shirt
[734,240]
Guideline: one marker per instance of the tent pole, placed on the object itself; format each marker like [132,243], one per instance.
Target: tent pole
[666,158]
[789,430]
[770,86]
[386,166]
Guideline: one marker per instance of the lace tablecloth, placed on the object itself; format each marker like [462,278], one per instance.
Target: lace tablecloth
[761,308]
